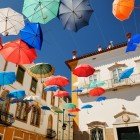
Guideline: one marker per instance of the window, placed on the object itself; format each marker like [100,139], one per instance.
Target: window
[33,85]
[116,73]
[97,134]
[35,117]
[20,74]
[95,77]
[22,111]
[50,122]
[44,94]
[4,105]
[1,137]
[52,99]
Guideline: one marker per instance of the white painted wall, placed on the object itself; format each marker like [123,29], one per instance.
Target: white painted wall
[127,96]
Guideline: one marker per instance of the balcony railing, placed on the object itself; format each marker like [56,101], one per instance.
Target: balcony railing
[6,118]
[51,134]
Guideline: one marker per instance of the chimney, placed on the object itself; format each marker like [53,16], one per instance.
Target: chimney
[74,54]
[99,48]
[128,36]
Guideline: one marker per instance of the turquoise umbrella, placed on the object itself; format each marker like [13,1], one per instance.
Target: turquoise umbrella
[40,11]
[69,106]
[94,84]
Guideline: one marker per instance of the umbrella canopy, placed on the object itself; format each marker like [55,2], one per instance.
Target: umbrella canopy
[74,110]
[133,43]
[122,9]
[32,35]
[61,94]
[11,22]
[18,52]
[56,109]
[17,94]
[126,73]
[41,70]
[57,80]
[101,98]
[40,11]
[96,91]
[77,90]
[45,108]
[96,84]
[71,115]
[87,106]
[69,106]
[13,101]
[51,88]
[83,70]
[75,14]
[7,78]
[32,98]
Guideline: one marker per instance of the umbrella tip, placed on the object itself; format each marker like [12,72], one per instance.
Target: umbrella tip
[128,35]
[74,54]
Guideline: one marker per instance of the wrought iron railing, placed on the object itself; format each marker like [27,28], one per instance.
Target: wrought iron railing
[6,118]
[51,133]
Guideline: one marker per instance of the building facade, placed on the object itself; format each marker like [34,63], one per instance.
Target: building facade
[21,121]
[118,117]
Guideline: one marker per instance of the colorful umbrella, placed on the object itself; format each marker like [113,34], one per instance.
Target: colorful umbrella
[69,106]
[41,70]
[87,106]
[71,115]
[61,94]
[96,91]
[7,78]
[122,9]
[77,90]
[83,70]
[75,14]
[40,11]
[51,88]
[133,43]
[74,110]
[101,98]
[126,73]
[32,35]
[45,108]
[56,109]
[11,22]
[57,80]
[17,94]
[18,52]
[32,98]
[94,84]
[13,101]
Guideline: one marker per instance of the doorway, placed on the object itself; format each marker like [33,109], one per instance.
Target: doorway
[128,133]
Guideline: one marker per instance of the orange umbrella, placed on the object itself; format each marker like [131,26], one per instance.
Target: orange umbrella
[122,9]
[74,110]
[61,94]
[18,52]
[96,91]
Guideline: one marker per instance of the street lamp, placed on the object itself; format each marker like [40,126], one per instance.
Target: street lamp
[64,126]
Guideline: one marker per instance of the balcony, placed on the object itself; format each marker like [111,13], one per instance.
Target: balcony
[113,84]
[6,118]
[51,134]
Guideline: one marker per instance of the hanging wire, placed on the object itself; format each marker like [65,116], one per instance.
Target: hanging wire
[124,32]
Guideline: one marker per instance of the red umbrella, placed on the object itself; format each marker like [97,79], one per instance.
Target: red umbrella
[83,70]
[74,110]
[96,91]
[57,80]
[61,94]
[18,52]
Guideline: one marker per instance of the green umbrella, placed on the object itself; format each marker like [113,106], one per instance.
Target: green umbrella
[56,109]
[41,11]
[41,70]
[69,106]
[94,84]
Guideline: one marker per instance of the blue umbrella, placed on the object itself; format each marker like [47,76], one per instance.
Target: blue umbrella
[133,43]
[71,115]
[16,101]
[101,98]
[77,90]
[17,94]
[45,108]
[126,73]
[87,106]
[94,84]
[7,78]
[51,88]
[1,99]
[32,35]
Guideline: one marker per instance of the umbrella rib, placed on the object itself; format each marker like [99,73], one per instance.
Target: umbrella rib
[13,26]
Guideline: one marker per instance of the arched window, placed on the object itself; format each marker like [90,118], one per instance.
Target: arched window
[22,111]
[97,134]
[5,104]
[35,117]
[50,122]
[52,99]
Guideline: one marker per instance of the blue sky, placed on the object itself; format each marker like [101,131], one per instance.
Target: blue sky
[59,43]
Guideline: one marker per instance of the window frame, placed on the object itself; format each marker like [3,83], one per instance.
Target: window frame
[23,74]
[31,85]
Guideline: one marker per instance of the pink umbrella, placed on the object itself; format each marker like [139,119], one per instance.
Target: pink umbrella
[61,94]
[96,91]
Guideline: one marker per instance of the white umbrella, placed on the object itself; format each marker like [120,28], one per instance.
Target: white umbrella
[33,98]
[11,22]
